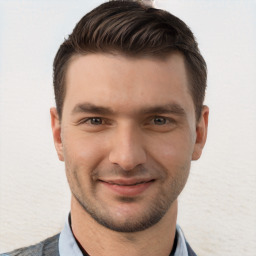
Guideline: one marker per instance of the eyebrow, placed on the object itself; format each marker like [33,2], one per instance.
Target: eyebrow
[172,108]
[91,108]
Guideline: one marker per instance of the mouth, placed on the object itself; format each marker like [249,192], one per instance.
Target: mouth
[126,187]
[127,184]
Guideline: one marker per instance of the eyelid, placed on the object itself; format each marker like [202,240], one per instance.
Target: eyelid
[85,120]
[168,119]
[106,121]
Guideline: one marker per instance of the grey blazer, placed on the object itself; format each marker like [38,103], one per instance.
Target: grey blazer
[49,247]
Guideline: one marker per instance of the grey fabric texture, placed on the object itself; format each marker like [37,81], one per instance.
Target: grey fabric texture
[48,247]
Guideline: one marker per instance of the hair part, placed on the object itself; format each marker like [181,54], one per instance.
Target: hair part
[134,29]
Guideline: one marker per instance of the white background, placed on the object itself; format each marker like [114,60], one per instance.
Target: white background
[218,206]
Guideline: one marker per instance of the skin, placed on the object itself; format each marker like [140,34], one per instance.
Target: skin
[127,136]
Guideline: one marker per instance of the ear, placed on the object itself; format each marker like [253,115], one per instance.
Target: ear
[56,132]
[201,133]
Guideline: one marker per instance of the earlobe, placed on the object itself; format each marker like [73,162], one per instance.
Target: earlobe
[201,133]
[56,132]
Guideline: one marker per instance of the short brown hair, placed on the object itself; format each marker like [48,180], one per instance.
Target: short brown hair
[135,29]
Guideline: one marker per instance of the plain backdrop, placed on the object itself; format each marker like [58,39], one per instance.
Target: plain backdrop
[217,209]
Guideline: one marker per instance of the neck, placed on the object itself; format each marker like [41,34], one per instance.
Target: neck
[99,240]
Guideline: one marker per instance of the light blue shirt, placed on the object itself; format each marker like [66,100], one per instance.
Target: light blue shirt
[68,245]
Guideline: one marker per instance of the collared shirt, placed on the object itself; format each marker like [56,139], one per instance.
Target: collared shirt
[68,245]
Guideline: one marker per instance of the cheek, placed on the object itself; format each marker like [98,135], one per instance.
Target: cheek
[83,151]
[82,154]
[173,149]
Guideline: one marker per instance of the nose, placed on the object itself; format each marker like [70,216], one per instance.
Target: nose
[127,148]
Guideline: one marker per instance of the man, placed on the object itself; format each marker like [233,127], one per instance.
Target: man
[129,86]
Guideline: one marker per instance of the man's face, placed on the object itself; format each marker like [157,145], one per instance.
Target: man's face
[128,134]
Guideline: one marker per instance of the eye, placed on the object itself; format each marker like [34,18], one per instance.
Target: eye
[159,120]
[161,124]
[94,121]
[94,124]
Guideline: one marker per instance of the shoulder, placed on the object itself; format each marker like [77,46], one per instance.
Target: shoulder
[47,247]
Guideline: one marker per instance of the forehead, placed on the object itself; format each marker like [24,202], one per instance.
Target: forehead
[117,81]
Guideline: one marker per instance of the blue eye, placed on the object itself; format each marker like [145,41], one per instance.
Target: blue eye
[160,121]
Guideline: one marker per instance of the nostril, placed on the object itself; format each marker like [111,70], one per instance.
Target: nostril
[127,161]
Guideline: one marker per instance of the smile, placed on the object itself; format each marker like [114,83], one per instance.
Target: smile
[132,184]
[128,188]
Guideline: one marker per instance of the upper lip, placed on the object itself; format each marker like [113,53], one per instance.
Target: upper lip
[127,182]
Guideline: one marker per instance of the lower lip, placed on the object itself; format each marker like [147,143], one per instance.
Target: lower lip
[133,190]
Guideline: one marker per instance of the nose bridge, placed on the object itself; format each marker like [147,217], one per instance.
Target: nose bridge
[127,147]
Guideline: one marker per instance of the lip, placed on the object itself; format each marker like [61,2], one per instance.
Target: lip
[127,187]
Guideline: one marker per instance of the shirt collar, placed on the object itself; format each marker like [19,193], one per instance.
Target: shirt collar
[67,242]
[68,245]
[181,249]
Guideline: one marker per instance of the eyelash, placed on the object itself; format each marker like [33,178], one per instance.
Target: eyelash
[166,120]
[87,120]
[103,121]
